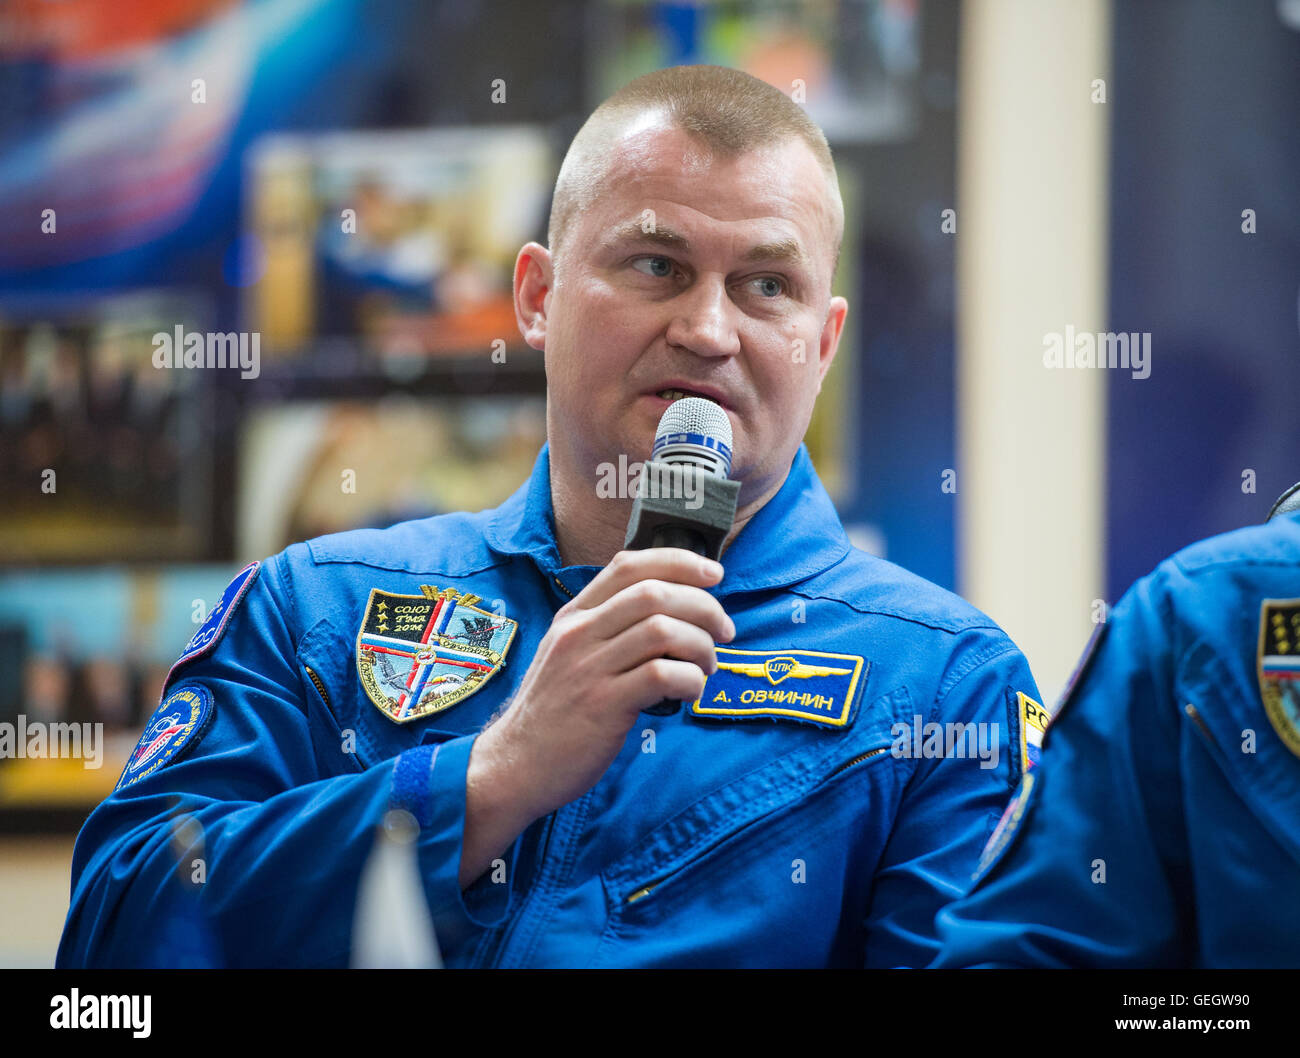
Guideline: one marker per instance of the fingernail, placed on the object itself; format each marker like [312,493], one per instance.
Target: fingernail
[713,569]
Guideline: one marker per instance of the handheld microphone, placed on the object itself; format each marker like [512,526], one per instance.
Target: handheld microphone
[684,497]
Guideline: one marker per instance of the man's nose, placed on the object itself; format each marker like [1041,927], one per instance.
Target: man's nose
[704,320]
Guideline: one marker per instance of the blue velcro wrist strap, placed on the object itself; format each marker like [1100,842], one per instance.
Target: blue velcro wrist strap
[411,783]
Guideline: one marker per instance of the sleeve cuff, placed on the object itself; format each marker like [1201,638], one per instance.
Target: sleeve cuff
[429,782]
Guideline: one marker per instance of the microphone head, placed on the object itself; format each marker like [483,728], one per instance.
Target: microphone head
[1287,503]
[696,431]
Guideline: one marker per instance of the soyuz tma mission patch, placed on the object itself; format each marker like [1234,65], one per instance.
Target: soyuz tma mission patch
[807,686]
[1278,666]
[175,725]
[420,654]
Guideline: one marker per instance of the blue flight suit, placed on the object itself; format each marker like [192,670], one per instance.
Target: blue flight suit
[782,820]
[1162,825]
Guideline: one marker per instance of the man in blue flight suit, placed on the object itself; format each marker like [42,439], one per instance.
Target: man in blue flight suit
[837,764]
[1162,826]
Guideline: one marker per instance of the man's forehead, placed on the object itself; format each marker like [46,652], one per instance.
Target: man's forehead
[656,152]
[780,187]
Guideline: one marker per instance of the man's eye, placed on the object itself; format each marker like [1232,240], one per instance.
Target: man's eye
[769,286]
[659,267]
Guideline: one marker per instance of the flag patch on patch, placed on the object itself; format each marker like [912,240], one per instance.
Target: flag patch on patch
[1033,725]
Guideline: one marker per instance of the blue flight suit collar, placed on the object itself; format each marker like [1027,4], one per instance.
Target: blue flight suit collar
[795,535]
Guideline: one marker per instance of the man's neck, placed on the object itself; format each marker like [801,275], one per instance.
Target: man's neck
[590,529]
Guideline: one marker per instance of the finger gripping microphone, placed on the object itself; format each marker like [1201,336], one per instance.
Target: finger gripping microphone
[684,495]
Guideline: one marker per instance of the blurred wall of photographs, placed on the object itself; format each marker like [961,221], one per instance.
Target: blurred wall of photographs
[119,448]
[403,243]
[272,248]
[246,245]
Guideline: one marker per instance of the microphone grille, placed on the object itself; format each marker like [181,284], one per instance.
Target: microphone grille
[696,415]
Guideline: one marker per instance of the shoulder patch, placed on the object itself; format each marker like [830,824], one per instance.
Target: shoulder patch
[175,726]
[1033,725]
[210,632]
[1080,669]
[806,686]
[1008,826]
[1277,663]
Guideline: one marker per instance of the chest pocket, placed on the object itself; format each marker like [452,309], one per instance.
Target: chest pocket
[827,803]
[349,732]
[1226,712]
[338,745]
[345,735]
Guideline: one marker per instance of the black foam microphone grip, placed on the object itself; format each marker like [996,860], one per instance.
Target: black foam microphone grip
[675,536]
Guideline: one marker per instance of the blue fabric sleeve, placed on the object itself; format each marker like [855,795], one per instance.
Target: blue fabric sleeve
[1085,879]
[241,851]
[441,768]
[949,807]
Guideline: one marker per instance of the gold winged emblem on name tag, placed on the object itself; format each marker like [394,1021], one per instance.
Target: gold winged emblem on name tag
[777,669]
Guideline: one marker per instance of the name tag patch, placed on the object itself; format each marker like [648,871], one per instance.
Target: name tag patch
[807,686]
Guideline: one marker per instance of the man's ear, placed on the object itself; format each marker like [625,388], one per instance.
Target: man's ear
[832,331]
[533,280]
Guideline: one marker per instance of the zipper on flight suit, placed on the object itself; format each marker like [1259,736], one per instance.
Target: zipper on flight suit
[645,890]
[856,760]
[492,954]
[316,682]
[1195,714]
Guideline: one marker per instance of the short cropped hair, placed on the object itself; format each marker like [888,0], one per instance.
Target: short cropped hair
[729,112]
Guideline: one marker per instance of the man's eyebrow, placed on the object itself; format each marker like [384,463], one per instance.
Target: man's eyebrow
[780,250]
[787,250]
[632,231]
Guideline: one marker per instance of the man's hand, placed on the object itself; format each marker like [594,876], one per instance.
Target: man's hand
[641,631]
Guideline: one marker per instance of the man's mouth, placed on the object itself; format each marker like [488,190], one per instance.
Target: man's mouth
[675,393]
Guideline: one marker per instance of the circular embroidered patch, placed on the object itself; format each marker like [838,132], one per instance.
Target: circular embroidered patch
[176,723]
